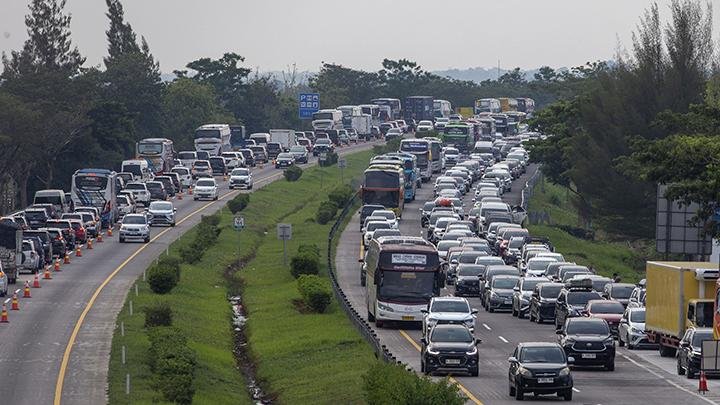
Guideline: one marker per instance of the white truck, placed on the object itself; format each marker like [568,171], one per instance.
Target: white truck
[285,137]
[362,125]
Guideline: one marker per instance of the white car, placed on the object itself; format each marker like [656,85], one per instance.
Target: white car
[388,215]
[30,258]
[139,191]
[448,310]
[232,160]
[241,178]
[537,266]
[206,188]
[124,206]
[371,227]
[185,175]
[134,226]
[424,126]
[631,331]
[161,213]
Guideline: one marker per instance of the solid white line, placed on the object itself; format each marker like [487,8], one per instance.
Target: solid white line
[575,389]
[503,339]
[486,326]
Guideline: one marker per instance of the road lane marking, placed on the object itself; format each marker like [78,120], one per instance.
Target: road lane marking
[503,339]
[453,380]
[575,389]
[486,326]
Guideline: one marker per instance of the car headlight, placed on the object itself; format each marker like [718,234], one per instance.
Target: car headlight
[472,351]
[385,307]
[569,341]
[525,372]
[696,353]
[564,372]
[470,323]
[609,342]
[636,330]
[433,352]
[493,294]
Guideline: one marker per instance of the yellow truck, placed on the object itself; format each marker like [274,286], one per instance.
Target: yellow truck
[508,104]
[679,295]
[466,112]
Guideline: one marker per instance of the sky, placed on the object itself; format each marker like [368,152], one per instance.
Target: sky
[274,34]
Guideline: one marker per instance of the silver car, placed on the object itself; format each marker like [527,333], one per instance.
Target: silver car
[161,213]
[631,331]
[135,226]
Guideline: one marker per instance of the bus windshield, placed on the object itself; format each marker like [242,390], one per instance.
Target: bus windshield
[381,179]
[134,169]
[207,133]
[322,116]
[389,199]
[408,287]
[456,130]
[91,183]
[150,148]
[236,140]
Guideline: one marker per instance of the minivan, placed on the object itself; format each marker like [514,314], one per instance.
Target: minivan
[139,168]
[54,197]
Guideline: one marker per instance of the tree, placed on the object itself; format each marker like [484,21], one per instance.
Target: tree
[546,74]
[225,75]
[514,77]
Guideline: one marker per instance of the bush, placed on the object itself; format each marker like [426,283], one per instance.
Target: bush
[341,195]
[314,291]
[158,314]
[172,262]
[387,383]
[173,363]
[326,212]
[304,263]
[162,279]
[309,249]
[293,173]
[238,203]
[212,220]
[330,159]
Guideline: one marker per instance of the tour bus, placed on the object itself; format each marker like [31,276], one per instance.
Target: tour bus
[140,169]
[491,105]
[327,119]
[393,103]
[408,163]
[442,108]
[237,137]
[384,185]
[421,149]
[159,152]
[96,188]
[501,123]
[460,136]
[435,154]
[508,104]
[526,105]
[373,110]
[483,147]
[487,128]
[213,138]
[401,275]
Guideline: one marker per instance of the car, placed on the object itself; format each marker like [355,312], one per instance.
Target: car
[36,217]
[273,150]
[467,281]
[185,175]
[540,368]
[168,184]
[637,298]
[176,181]
[126,176]
[299,153]
[367,210]
[284,160]
[248,157]
[424,126]
[157,190]
[522,293]
[140,191]
[498,294]
[232,160]
[68,233]
[81,234]
[218,166]
[201,168]
[45,240]
[588,341]
[31,259]
[542,301]
[619,292]
[393,133]
[572,299]
[448,310]
[388,215]
[450,348]
[690,351]
[343,137]
[241,178]
[259,153]
[134,226]
[385,127]
[161,213]
[322,145]
[124,205]
[352,135]
[537,266]
[609,310]
[205,188]
[371,227]
[50,210]
[631,331]
[59,245]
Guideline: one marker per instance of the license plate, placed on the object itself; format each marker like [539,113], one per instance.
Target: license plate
[452,361]
[508,301]
[588,355]
[545,380]
[408,318]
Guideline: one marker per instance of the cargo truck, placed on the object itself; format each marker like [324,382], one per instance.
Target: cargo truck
[679,295]
[10,249]
[285,137]
[418,108]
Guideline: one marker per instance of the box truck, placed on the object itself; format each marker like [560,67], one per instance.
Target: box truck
[285,137]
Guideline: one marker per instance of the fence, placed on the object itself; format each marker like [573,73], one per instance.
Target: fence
[527,191]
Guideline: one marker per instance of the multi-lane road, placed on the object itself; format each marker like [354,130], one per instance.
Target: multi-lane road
[56,349]
[640,377]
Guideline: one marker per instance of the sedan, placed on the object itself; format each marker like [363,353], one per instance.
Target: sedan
[300,153]
[284,160]
[206,188]
[540,368]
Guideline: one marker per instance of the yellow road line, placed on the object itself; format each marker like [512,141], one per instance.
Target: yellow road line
[465,391]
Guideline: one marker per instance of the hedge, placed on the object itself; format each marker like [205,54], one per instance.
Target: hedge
[293,173]
[341,195]
[162,278]
[238,203]
[330,159]
[206,236]
[314,291]
[387,383]
[326,212]
[173,363]
[304,263]
[172,262]
[158,314]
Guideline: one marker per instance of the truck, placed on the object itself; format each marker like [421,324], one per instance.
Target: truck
[466,112]
[679,295]
[327,119]
[418,108]
[11,236]
[285,137]
[362,124]
[508,104]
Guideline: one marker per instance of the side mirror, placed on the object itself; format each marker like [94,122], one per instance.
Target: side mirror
[474,311]
[559,332]
[571,360]
[478,341]
[174,209]
[516,288]
[453,261]
[424,311]
[423,341]
[512,359]
[684,344]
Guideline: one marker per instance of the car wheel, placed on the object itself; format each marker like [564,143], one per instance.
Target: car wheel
[567,395]
[519,394]
[511,390]
[370,317]
[690,374]
[514,312]
[216,198]
[490,309]
[362,279]
[610,366]
[521,314]
[146,240]
[680,369]
[122,240]
[173,224]
[379,324]
[621,342]
[422,365]
[475,371]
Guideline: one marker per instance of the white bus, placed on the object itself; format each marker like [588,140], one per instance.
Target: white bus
[394,105]
[158,151]
[442,109]
[96,188]
[213,139]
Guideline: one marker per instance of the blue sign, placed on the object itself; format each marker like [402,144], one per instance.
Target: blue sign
[309,103]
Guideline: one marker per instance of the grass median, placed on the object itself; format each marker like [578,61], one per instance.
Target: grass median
[298,357]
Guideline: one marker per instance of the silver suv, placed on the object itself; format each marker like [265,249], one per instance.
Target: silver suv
[448,310]
[135,226]
[161,213]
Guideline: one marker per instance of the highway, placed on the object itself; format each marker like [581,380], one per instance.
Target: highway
[640,376]
[56,349]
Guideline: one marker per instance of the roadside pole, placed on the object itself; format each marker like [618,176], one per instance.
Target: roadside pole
[322,158]
[342,164]
[284,232]
[238,224]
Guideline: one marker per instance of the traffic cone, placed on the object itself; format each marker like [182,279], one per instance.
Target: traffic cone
[225,177]
[78,251]
[66,259]
[190,190]
[4,316]
[702,383]
[47,275]
[179,196]
[36,282]
[15,305]
[109,233]
[89,243]
[99,238]
[26,292]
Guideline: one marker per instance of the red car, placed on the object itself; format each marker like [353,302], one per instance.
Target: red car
[79,228]
[609,310]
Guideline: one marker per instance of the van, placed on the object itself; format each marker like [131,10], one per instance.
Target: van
[187,158]
[139,168]
[483,147]
[260,138]
[54,197]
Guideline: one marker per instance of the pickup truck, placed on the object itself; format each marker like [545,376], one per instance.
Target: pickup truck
[10,249]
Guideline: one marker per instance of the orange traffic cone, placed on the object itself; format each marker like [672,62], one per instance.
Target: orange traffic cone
[47,275]
[78,251]
[99,238]
[36,282]
[179,196]
[26,293]
[109,234]
[15,305]
[4,316]
[190,190]
[90,243]
[66,259]
[702,383]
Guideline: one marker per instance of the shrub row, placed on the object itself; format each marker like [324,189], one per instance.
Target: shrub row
[392,145]
[387,383]
[158,314]
[238,203]
[314,291]
[326,212]
[293,173]
[330,159]
[306,261]
[206,236]
[338,198]
[173,364]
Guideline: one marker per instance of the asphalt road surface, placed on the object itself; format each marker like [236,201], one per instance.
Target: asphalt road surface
[57,347]
[640,376]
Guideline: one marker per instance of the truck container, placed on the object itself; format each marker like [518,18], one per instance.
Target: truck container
[285,137]
[10,249]
[362,124]
[679,295]
[508,104]
[466,112]
[418,108]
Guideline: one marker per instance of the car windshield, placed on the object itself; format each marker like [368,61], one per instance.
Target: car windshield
[134,220]
[386,232]
[377,225]
[161,206]
[529,285]
[504,283]
[205,183]
[455,335]
[298,149]
[551,291]
[542,355]
[135,186]
[608,307]
[201,164]
[385,214]
[240,172]
[540,264]
[622,292]
[588,328]
[471,270]
[449,306]
[285,156]
[444,245]
[637,316]
[582,297]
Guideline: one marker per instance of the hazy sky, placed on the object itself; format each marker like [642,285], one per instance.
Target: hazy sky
[273,34]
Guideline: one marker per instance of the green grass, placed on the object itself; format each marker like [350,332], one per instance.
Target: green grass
[300,358]
[607,257]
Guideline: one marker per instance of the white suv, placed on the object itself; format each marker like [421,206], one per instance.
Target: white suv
[448,310]
[206,188]
[139,191]
[135,226]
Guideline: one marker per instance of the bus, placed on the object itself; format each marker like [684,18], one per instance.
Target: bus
[410,171]
[435,154]
[442,108]
[487,128]
[421,149]
[501,123]
[159,153]
[384,184]
[237,137]
[460,136]
[401,275]
[96,188]
[373,110]
[508,104]
[213,139]
[393,103]
[490,105]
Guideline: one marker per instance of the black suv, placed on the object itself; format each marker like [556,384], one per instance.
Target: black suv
[273,150]
[589,342]
[157,190]
[468,279]
[218,166]
[450,348]
[540,368]
[542,302]
[368,209]
[36,217]
[167,184]
[689,352]
[572,300]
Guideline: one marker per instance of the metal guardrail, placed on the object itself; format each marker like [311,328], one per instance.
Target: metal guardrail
[527,191]
[381,351]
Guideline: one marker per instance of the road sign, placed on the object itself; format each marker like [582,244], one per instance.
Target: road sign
[284,231]
[239,222]
[308,103]
[342,163]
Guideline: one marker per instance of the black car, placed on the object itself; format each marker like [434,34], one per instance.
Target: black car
[368,209]
[449,348]
[499,291]
[689,352]
[300,153]
[157,190]
[47,242]
[273,150]
[59,244]
[284,160]
[384,127]
[589,342]
[540,368]
[249,157]
[36,217]
[542,302]
[167,184]
[468,279]
[217,164]
[322,145]
[572,300]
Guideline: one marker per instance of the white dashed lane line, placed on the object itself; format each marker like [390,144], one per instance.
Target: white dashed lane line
[486,326]
[503,339]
